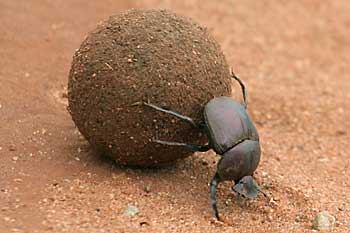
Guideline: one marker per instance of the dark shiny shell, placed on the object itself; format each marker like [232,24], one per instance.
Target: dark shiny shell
[240,161]
[228,124]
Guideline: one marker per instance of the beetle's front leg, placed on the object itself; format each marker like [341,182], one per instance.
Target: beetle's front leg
[193,147]
[213,187]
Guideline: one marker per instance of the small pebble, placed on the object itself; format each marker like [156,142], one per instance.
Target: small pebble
[205,163]
[147,188]
[323,221]
[270,218]
[297,224]
[131,211]
[267,185]
[144,223]
[264,174]
[12,147]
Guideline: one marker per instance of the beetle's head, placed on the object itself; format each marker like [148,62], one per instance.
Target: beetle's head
[247,187]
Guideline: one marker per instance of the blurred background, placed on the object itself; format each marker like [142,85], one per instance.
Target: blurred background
[293,57]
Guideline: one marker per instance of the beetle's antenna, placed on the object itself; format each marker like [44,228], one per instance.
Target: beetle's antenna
[244,92]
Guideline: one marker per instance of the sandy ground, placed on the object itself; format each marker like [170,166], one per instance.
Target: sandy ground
[292,55]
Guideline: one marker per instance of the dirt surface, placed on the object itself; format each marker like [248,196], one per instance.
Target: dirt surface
[292,55]
[141,56]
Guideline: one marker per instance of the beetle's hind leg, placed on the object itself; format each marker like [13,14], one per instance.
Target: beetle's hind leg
[192,147]
[173,113]
[213,188]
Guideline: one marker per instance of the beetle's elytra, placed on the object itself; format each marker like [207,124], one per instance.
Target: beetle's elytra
[232,135]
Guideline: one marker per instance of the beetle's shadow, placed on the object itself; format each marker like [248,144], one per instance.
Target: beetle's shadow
[184,182]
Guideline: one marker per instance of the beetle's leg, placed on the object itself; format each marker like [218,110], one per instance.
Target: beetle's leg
[213,187]
[244,92]
[193,147]
[173,113]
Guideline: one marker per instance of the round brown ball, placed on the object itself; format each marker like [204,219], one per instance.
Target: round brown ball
[139,56]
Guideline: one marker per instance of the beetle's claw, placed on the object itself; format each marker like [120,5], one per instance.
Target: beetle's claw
[138,103]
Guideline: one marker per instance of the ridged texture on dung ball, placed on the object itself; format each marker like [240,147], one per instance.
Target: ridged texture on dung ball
[142,55]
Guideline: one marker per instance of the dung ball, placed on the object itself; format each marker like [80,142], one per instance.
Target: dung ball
[138,56]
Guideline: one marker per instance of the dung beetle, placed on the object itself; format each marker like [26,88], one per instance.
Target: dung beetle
[231,134]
